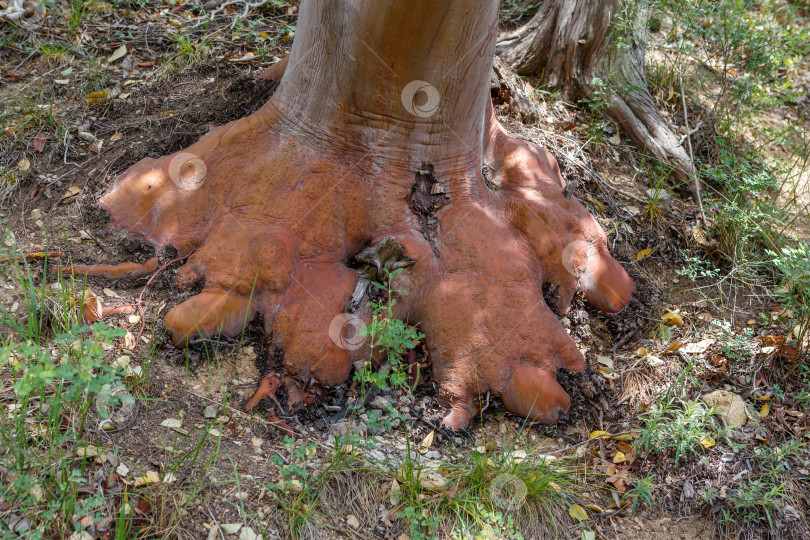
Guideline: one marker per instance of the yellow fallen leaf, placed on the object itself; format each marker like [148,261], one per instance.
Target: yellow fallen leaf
[595,434]
[673,319]
[643,253]
[72,191]
[289,36]
[622,437]
[765,410]
[707,442]
[117,136]
[577,512]
[151,477]
[619,458]
[264,35]
[594,508]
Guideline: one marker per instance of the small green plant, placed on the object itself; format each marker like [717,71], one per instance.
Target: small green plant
[674,423]
[53,383]
[389,335]
[191,50]
[299,491]
[643,492]
[794,293]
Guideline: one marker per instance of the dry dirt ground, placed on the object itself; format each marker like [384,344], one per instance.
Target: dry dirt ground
[221,460]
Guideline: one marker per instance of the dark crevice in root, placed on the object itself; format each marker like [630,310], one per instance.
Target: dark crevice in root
[372,264]
[426,197]
[486,172]
[551,294]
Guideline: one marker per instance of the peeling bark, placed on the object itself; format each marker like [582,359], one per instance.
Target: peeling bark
[567,45]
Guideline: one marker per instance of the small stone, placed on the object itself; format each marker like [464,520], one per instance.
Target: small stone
[433,481]
[352,521]
[210,412]
[230,528]
[379,403]
[24,525]
[688,490]
[729,406]
[248,534]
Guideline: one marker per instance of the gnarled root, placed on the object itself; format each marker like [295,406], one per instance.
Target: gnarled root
[128,270]
[267,388]
[274,222]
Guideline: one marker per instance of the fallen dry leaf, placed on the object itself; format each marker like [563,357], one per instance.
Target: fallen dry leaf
[173,423]
[129,341]
[763,412]
[92,307]
[697,348]
[39,142]
[427,442]
[72,191]
[118,54]
[577,512]
[673,319]
[643,253]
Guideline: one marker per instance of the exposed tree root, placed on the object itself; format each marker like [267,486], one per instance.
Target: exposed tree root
[276,208]
[267,388]
[128,270]
[476,293]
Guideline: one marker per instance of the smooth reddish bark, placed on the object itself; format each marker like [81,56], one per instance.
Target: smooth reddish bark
[273,208]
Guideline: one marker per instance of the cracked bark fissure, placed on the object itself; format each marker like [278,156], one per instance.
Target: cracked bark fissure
[274,207]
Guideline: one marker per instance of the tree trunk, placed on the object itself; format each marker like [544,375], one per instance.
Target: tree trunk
[568,45]
[380,143]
